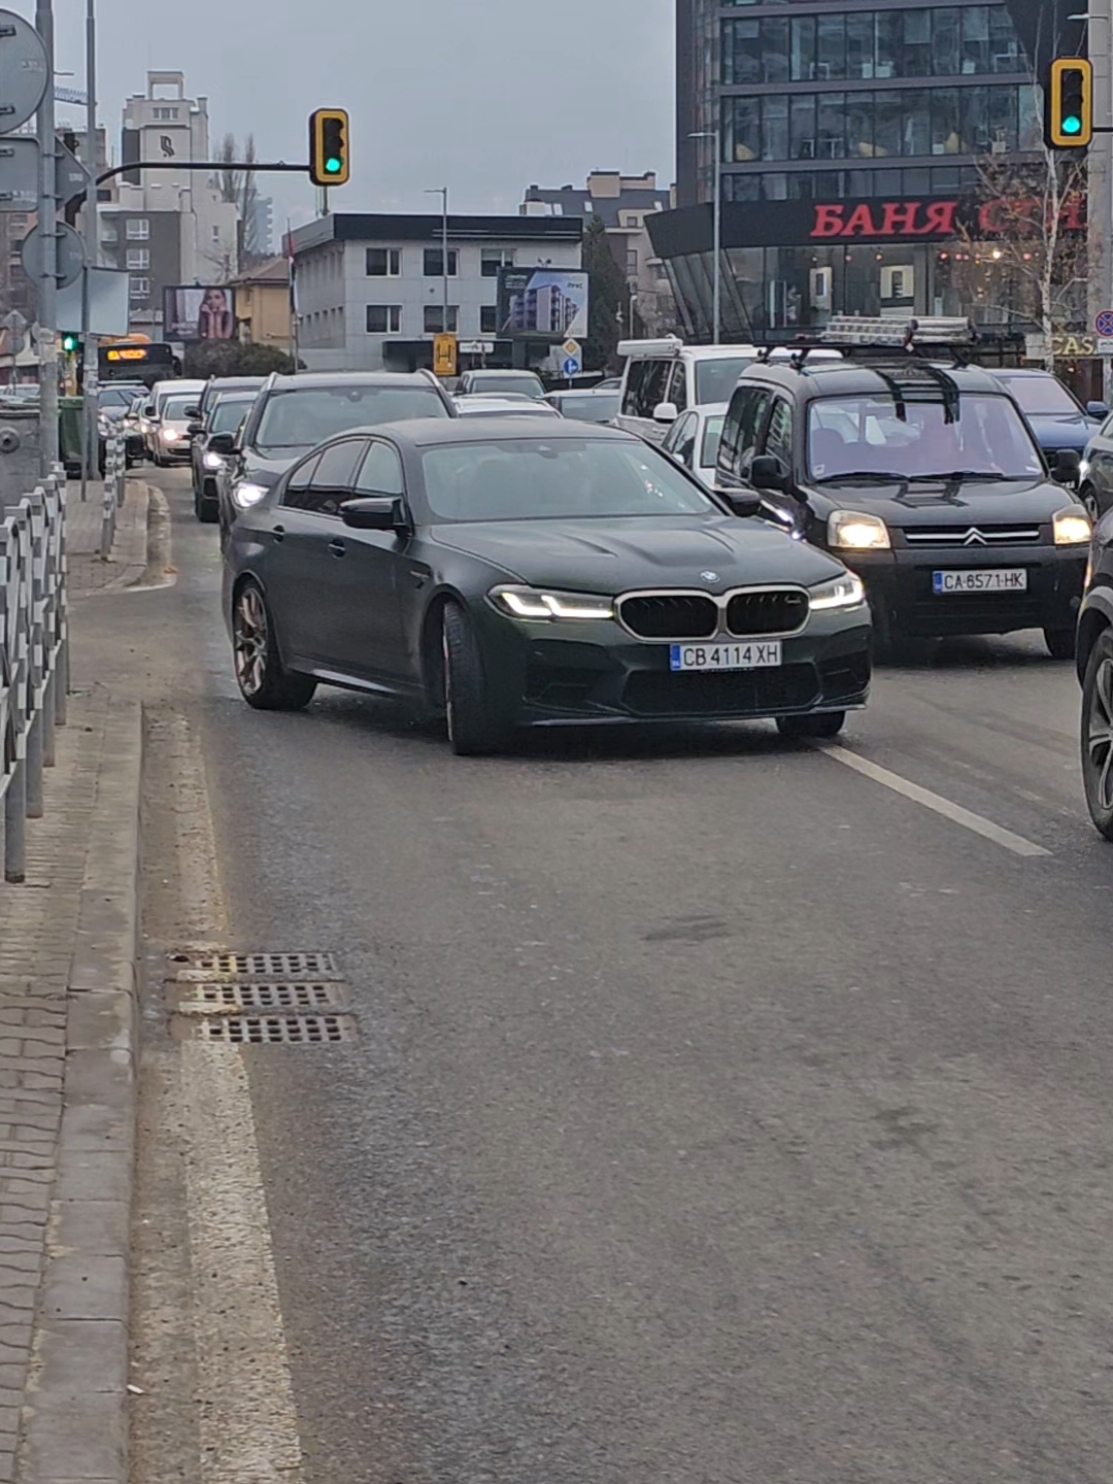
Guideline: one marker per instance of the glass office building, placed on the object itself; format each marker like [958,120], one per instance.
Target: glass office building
[891,108]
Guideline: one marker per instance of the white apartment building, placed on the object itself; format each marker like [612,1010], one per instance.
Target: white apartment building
[371,288]
[167,226]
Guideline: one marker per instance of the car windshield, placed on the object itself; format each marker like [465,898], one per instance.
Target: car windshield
[595,407]
[561,479]
[1041,396]
[228,413]
[712,436]
[867,436]
[528,385]
[302,418]
[174,408]
[115,396]
[715,380]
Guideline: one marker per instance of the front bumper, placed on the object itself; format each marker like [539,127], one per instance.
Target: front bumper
[542,674]
[900,588]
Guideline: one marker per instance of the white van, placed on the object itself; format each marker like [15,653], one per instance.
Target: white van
[663,378]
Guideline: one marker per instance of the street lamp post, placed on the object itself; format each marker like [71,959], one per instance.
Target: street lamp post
[442,192]
[716,315]
[92,248]
[48,282]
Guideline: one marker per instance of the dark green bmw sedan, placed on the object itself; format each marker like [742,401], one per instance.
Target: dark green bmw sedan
[512,576]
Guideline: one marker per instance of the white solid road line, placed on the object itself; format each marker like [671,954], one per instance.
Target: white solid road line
[935,802]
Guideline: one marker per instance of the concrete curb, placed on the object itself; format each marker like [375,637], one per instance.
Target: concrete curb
[75,1418]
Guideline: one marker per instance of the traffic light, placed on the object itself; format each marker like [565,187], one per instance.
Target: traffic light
[71,342]
[328,147]
[1069,122]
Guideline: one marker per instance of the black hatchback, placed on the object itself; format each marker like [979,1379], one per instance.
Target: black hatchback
[926,480]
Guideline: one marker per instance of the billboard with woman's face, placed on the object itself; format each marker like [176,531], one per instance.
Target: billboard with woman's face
[199,312]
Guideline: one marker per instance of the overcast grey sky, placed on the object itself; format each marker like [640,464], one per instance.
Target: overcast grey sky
[485,96]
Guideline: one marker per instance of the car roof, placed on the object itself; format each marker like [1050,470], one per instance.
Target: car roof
[428,432]
[285,383]
[1010,371]
[856,377]
[482,371]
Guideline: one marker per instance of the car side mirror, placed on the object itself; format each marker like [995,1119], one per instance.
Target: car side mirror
[665,412]
[193,412]
[222,443]
[766,473]
[148,409]
[1097,409]
[744,503]
[193,429]
[374,513]
[1066,466]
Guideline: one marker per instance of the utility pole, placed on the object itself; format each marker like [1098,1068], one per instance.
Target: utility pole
[48,226]
[92,256]
[442,192]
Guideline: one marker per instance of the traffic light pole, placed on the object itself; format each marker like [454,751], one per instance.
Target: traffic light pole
[1100,168]
[89,439]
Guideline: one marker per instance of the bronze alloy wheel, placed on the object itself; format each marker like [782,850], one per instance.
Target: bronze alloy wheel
[1097,735]
[250,641]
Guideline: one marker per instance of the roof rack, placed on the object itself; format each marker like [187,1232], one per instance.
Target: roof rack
[940,329]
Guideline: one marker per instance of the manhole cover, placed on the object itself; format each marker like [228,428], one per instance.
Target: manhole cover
[274,1030]
[280,967]
[227,999]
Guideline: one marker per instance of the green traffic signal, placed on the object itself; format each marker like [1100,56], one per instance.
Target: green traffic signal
[333,166]
[329,161]
[1072,124]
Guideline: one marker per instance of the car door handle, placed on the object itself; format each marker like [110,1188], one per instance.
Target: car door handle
[337,547]
[279,533]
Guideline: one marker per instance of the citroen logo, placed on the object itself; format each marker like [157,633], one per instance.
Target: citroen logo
[974,537]
[710,576]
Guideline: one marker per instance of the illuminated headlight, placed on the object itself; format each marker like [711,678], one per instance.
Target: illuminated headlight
[213,461]
[1072,528]
[528,602]
[853,531]
[170,435]
[845,592]
[246,494]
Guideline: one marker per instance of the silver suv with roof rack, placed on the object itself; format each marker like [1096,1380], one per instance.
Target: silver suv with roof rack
[919,472]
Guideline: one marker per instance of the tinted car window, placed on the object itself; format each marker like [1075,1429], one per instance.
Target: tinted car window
[864,435]
[297,486]
[302,417]
[743,424]
[778,439]
[654,388]
[594,407]
[528,385]
[334,477]
[1042,396]
[381,473]
[566,479]
[712,432]
[228,413]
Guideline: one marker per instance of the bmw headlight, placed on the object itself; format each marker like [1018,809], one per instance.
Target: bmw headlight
[213,461]
[538,603]
[853,531]
[1072,528]
[847,591]
[245,493]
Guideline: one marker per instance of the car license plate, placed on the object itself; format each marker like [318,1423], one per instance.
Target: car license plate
[996,580]
[755,655]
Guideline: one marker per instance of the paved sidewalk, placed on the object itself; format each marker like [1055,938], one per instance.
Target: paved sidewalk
[67,1085]
[88,571]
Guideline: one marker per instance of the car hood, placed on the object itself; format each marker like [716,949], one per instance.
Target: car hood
[944,503]
[617,556]
[1067,431]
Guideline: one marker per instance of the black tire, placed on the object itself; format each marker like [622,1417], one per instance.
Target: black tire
[472,732]
[818,727]
[1060,643]
[260,675]
[1097,734]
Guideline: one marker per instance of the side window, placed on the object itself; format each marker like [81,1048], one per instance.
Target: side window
[654,387]
[635,376]
[334,477]
[678,388]
[381,473]
[675,434]
[297,486]
[778,438]
[744,422]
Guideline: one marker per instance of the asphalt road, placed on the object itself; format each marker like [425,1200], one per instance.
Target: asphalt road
[721,1113]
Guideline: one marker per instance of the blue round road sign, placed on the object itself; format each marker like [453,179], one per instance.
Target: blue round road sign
[572,366]
[1103,324]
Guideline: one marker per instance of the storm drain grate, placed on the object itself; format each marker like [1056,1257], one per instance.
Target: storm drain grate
[227,999]
[277,1030]
[279,967]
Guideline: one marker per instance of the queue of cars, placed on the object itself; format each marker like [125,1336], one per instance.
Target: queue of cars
[563,569]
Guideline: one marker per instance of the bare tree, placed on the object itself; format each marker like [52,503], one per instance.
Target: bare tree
[1025,249]
[241,188]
